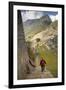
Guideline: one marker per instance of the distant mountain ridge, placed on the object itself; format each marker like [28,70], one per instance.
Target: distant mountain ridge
[42,28]
[33,26]
[43,19]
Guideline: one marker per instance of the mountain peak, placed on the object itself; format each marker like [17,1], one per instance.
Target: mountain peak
[46,19]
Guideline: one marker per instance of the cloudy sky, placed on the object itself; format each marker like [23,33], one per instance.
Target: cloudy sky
[27,14]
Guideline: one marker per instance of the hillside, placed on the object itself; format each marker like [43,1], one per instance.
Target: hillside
[39,43]
[46,32]
[34,26]
[48,36]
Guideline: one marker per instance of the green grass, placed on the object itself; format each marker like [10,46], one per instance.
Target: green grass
[50,58]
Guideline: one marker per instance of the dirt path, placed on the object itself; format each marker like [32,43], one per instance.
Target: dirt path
[38,74]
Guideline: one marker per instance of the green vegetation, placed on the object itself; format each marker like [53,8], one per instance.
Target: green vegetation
[51,59]
[50,55]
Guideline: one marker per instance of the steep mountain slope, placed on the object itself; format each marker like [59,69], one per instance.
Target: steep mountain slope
[46,34]
[47,37]
[34,26]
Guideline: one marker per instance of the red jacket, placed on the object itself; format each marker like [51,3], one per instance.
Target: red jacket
[42,62]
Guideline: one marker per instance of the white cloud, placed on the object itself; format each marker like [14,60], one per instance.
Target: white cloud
[31,15]
[35,15]
[53,18]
